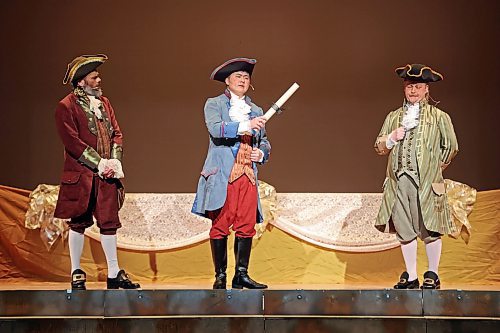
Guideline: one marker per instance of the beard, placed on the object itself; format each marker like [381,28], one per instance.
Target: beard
[96,92]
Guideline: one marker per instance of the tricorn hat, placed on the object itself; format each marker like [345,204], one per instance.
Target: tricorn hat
[81,66]
[231,66]
[418,73]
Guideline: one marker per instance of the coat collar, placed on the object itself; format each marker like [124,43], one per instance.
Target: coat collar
[248,100]
[227,97]
[81,99]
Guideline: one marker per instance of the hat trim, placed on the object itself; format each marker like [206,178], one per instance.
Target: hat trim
[247,60]
[72,71]
[421,70]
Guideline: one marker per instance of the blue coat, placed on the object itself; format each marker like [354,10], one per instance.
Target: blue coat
[222,150]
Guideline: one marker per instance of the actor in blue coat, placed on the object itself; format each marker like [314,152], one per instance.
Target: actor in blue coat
[227,188]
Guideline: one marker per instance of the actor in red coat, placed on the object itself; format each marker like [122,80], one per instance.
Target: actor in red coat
[90,183]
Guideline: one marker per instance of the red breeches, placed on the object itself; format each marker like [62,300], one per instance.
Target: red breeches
[239,211]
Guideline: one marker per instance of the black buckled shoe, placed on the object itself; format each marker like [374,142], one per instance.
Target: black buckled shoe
[431,281]
[122,281]
[78,279]
[405,284]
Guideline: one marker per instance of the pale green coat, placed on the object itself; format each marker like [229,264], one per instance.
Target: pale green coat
[436,145]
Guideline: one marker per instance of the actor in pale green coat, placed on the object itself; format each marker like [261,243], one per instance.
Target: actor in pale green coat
[420,141]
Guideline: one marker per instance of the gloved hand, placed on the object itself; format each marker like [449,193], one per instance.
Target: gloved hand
[111,168]
[116,166]
[103,169]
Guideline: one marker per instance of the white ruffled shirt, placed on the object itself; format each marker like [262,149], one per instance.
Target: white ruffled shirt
[410,118]
[410,121]
[240,112]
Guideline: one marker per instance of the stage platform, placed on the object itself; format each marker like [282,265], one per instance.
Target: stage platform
[49,307]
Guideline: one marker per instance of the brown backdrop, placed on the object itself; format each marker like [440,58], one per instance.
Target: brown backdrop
[342,53]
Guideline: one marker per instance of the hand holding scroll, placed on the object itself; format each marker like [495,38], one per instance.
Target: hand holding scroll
[258,122]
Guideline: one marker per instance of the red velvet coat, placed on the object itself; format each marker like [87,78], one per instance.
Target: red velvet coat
[75,127]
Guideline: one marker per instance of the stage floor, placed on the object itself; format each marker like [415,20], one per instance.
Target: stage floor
[6,285]
[160,307]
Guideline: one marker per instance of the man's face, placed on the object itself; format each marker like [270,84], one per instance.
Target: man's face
[238,83]
[415,91]
[91,84]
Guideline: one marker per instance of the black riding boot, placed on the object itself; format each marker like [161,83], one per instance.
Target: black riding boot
[242,249]
[219,257]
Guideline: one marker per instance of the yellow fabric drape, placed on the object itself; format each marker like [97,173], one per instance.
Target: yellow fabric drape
[461,199]
[40,214]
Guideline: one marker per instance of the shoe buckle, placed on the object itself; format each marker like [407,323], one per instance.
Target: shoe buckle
[429,281]
[403,281]
[78,277]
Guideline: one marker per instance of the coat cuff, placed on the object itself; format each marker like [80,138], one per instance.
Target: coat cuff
[266,150]
[90,158]
[229,130]
[244,127]
[381,145]
[117,151]
[444,165]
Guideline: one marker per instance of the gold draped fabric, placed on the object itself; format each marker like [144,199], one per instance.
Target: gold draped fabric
[40,214]
[461,199]
[269,203]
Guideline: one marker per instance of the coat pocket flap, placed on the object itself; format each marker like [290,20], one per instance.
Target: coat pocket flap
[209,171]
[439,188]
[70,177]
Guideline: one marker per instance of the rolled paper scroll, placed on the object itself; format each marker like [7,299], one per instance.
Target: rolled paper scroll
[276,106]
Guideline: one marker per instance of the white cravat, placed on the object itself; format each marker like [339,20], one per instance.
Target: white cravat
[95,106]
[410,118]
[240,112]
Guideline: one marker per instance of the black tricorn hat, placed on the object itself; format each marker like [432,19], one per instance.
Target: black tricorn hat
[418,73]
[231,66]
[81,66]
